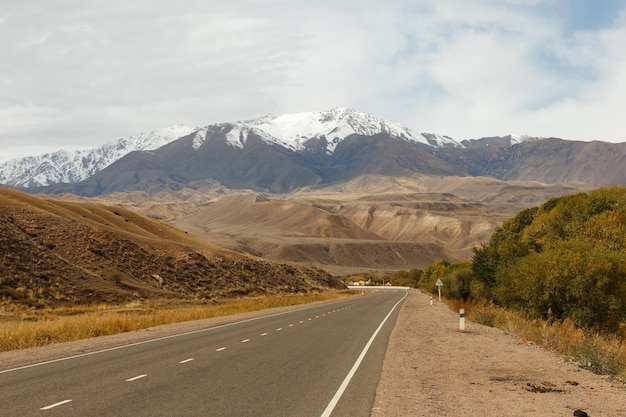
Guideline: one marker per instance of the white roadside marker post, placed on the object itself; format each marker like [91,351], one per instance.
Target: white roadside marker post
[462,319]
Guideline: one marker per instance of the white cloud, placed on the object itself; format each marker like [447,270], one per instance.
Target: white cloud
[85,72]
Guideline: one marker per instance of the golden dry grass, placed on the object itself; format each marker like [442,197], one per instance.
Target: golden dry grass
[24,329]
[603,354]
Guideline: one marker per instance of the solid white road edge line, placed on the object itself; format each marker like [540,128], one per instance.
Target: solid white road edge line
[331,406]
[48,407]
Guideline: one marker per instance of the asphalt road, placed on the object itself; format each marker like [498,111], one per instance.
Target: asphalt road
[320,361]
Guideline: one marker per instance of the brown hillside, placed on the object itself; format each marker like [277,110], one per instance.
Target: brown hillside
[547,160]
[345,257]
[456,213]
[303,231]
[237,213]
[54,252]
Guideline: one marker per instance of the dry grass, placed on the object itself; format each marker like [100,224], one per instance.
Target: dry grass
[30,328]
[605,355]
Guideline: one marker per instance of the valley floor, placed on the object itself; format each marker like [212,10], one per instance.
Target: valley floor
[432,368]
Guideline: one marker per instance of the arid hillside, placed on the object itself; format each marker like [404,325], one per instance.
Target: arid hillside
[56,252]
[370,223]
[548,160]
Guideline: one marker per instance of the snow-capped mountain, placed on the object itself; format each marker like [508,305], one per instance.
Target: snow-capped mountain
[292,131]
[275,154]
[73,166]
[280,154]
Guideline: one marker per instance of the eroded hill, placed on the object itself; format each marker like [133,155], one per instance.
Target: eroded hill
[56,252]
[370,223]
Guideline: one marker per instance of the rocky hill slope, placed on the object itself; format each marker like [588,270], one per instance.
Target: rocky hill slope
[547,160]
[55,252]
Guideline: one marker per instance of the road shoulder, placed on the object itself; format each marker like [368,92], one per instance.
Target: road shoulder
[433,368]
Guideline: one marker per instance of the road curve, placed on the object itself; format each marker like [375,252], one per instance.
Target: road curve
[320,361]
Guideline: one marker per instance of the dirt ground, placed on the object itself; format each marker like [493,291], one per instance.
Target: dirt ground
[432,368]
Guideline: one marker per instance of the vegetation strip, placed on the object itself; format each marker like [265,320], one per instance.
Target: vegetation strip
[28,328]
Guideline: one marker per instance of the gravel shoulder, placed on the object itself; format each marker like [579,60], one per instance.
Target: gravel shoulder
[432,368]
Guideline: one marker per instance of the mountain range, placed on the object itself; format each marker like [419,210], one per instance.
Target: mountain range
[339,189]
[279,154]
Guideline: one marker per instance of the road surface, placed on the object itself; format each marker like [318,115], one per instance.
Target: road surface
[320,361]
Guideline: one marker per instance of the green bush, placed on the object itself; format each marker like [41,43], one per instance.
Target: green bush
[565,259]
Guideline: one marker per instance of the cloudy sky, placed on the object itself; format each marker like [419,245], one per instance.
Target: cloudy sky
[80,73]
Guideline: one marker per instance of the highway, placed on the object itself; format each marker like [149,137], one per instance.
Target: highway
[320,361]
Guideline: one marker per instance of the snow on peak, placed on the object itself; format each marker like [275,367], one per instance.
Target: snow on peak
[198,138]
[516,139]
[291,131]
[69,167]
[294,130]
[142,142]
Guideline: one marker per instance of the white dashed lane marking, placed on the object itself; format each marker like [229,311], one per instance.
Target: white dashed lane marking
[278,330]
[48,407]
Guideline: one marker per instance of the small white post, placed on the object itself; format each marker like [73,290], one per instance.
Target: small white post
[431,300]
[462,319]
